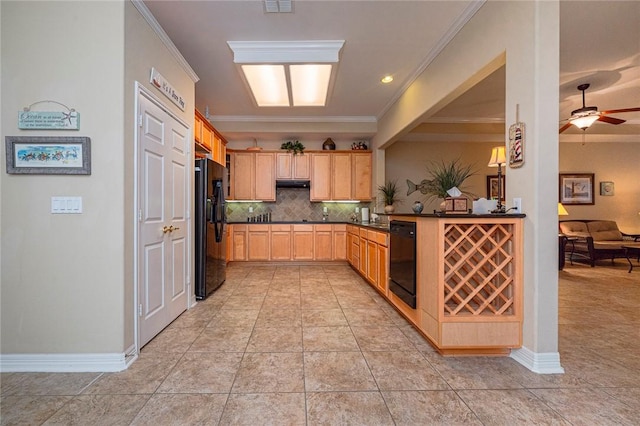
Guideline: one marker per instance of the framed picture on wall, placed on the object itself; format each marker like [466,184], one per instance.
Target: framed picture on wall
[492,187]
[46,155]
[576,188]
[606,188]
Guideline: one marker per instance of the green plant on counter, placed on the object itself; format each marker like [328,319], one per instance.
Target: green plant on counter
[295,147]
[389,192]
[444,176]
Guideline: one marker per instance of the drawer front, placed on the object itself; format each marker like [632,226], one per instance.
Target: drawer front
[280,228]
[300,228]
[323,227]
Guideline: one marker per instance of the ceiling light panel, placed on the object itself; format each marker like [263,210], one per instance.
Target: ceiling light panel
[309,84]
[268,84]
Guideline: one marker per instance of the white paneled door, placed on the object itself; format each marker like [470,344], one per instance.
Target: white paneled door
[163,244]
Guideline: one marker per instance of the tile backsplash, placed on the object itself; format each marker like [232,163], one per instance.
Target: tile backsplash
[292,204]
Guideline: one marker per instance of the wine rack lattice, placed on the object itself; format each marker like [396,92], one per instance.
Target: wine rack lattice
[479,269]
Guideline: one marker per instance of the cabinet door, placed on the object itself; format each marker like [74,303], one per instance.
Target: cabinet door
[239,241]
[243,175]
[284,165]
[341,176]
[372,262]
[258,242]
[265,181]
[207,136]
[320,177]
[361,179]
[302,166]
[339,242]
[322,242]
[280,242]
[383,261]
[363,255]
[302,242]
[197,129]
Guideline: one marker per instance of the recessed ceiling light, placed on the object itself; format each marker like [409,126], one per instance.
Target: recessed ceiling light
[387,79]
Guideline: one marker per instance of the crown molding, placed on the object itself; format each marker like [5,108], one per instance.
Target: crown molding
[155,26]
[291,119]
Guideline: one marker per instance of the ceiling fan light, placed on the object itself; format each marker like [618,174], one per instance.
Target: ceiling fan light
[585,121]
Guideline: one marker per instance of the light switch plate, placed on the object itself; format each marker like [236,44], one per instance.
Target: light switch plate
[66,205]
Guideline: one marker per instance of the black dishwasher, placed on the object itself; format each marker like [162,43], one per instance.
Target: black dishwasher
[402,261]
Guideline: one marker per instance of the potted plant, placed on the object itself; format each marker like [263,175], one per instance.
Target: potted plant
[444,176]
[295,147]
[389,193]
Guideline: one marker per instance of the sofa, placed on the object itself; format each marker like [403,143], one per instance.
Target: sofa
[592,240]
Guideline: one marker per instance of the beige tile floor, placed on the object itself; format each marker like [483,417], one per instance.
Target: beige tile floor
[313,345]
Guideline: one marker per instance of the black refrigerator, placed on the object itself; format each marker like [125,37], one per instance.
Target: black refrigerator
[210,242]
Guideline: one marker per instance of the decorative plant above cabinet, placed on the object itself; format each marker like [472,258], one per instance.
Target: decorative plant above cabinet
[295,147]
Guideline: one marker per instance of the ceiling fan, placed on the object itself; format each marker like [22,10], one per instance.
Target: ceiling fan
[584,117]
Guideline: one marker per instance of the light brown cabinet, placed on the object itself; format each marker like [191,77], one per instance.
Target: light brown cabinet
[207,140]
[367,253]
[340,176]
[280,242]
[323,242]
[283,242]
[238,242]
[320,177]
[289,166]
[339,242]
[253,176]
[258,242]
[302,236]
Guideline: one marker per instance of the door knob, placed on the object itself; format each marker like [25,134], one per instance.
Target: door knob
[170,228]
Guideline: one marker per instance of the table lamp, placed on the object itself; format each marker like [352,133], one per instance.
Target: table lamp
[562,211]
[498,158]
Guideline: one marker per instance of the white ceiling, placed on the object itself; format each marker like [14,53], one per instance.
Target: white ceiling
[599,44]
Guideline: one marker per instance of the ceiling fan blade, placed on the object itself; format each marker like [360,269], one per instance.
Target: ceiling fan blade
[565,127]
[610,120]
[616,111]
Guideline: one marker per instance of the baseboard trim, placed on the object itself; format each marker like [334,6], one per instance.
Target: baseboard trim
[65,363]
[538,362]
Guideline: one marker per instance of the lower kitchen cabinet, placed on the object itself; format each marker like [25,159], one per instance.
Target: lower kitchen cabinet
[280,242]
[258,242]
[368,253]
[285,242]
[323,236]
[302,242]
[339,242]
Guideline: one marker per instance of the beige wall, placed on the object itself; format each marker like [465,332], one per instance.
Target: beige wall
[609,161]
[62,275]
[68,281]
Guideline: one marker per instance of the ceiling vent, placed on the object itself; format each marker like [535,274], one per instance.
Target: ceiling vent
[277,6]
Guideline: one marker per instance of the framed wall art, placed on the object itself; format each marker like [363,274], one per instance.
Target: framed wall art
[606,188]
[492,187]
[44,155]
[576,188]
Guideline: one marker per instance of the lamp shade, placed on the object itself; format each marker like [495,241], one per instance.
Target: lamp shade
[497,156]
[562,211]
[585,121]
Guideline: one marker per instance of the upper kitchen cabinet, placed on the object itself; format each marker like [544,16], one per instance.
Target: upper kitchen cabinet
[340,176]
[207,140]
[289,166]
[361,176]
[253,176]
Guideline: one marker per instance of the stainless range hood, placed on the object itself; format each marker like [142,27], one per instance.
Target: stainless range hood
[293,184]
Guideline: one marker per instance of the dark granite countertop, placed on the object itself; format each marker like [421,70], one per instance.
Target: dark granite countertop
[380,226]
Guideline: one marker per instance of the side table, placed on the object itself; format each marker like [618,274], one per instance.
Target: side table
[631,251]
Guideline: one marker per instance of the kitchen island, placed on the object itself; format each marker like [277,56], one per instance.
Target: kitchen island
[469,279]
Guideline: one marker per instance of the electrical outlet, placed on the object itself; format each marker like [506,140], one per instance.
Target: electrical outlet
[250,209]
[517,205]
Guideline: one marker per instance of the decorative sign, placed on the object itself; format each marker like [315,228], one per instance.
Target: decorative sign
[48,120]
[167,89]
[516,145]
